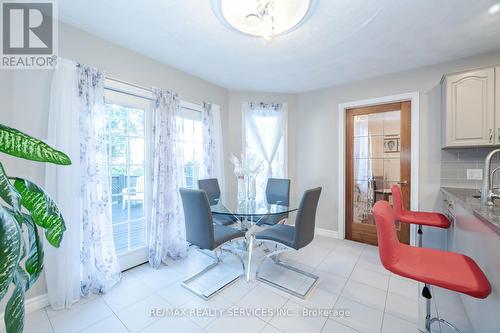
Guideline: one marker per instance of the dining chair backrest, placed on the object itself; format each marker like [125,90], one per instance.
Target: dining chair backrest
[278,191]
[388,243]
[211,187]
[305,221]
[198,218]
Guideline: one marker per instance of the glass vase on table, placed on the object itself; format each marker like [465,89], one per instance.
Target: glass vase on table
[242,190]
[251,187]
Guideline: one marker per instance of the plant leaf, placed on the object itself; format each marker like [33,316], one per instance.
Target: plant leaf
[10,249]
[14,310]
[19,144]
[43,210]
[34,263]
[7,191]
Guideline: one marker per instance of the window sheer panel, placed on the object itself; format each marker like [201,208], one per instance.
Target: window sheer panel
[265,136]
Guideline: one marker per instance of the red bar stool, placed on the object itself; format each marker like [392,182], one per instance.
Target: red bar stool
[449,270]
[429,219]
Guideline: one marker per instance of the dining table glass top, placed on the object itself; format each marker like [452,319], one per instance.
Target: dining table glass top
[228,204]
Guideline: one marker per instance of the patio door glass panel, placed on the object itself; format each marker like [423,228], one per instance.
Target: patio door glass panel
[128,170]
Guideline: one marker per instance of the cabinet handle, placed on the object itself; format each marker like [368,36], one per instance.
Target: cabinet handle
[491,135]
[498,130]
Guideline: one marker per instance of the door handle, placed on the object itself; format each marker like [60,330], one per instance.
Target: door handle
[498,130]
[491,135]
[403,182]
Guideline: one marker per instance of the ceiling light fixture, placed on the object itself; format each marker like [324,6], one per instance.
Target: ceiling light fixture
[494,9]
[263,18]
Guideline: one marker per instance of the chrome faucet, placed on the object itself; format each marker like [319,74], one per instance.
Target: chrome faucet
[487,194]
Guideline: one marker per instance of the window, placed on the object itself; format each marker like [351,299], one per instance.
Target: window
[265,139]
[127,174]
[190,142]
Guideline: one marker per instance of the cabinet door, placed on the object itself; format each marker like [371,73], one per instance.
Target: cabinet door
[497,104]
[470,104]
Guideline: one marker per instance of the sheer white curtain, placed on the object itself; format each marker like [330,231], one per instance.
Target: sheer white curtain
[167,232]
[265,137]
[213,151]
[86,261]
[62,265]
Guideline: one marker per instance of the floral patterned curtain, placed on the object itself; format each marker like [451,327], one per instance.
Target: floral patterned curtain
[213,154]
[167,232]
[99,264]
[207,119]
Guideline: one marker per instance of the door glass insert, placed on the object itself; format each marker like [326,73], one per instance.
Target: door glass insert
[127,172]
[376,154]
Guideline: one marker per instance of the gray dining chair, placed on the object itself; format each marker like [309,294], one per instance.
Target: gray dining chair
[278,193]
[211,187]
[203,233]
[289,238]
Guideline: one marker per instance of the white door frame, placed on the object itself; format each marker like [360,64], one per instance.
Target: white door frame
[414,98]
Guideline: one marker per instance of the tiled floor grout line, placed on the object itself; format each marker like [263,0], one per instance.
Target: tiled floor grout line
[340,294]
[385,303]
[48,319]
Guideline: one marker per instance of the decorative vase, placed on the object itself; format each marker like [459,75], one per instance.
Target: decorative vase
[241,189]
[251,188]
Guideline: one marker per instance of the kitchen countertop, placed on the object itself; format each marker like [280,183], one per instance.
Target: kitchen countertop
[465,197]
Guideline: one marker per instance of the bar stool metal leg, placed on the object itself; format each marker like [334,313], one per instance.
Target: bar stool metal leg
[426,293]
[420,235]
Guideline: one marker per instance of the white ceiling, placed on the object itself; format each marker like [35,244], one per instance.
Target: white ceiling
[342,41]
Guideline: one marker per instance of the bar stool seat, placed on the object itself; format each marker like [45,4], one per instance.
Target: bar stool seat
[448,270]
[429,219]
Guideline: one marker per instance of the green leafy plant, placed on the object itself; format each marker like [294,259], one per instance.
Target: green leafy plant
[25,206]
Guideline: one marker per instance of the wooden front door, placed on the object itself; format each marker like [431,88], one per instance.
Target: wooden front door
[378,140]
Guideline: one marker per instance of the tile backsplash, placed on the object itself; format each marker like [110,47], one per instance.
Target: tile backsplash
[456,161]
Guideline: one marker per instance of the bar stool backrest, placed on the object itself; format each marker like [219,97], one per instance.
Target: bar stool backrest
[397,201]
[388,242]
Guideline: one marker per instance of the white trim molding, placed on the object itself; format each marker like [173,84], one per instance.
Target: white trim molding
[326,233]
[32,304]
[414,98]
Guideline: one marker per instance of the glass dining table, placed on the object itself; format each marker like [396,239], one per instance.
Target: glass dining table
[250,212]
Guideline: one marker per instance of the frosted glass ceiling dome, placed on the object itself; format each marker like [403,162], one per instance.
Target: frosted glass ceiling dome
[263,18]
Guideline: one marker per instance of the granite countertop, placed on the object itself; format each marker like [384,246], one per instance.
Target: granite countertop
[465,196]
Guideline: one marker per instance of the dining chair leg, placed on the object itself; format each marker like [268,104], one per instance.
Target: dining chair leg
[250,252]
[274,256]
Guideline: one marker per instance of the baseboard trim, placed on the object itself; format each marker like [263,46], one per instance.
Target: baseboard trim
[327,233]
[32,304]
[36,303]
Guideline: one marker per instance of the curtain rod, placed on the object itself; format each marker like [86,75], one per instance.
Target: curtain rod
[129,83]
[138,87]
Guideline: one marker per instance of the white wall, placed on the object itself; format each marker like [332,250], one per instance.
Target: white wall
[317,123]
[236,99]
[24,94]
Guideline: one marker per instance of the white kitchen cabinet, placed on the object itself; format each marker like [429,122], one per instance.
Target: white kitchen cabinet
[469,109]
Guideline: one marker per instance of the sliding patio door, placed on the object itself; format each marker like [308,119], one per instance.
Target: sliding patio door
[129,171]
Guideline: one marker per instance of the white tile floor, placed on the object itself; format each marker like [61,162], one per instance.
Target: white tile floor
[351,277]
